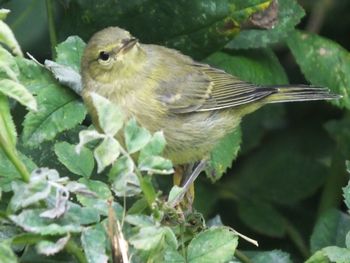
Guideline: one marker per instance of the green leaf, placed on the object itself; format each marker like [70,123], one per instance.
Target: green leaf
[7,126]
[155,146]
[99,203]
[31,221]
[18,92]
[275,256]
[49,248]
[94,243]
[3,13]
[262,217]
[44,155]
[156,164]
[8,38]
[106,153]
[315,56]
[339,130]
[332,254]
[110,117]
[261,67]
[212,245]
[87,136]
[70,51]
[288,177]
[8,173]
[124,180]
[150,237]
[126,184]
[8,232]
[140,220]
[196,28]
[170,238]
[330,230]
[59,110]
[8,65]
[138,206]
[6,253]
[80,164]
[82,215]
[135,136]
[33,76]
[147,238]
[222,155]
[172,256]
[260,122]
[346,193]
[174,193]
[28,194]
[66,69]
[289,15]
[123,165]
[348,169]
[100,188]
[65,76]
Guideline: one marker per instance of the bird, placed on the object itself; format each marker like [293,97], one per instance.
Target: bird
[193,103]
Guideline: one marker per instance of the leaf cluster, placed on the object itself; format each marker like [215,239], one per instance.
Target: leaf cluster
[71,192]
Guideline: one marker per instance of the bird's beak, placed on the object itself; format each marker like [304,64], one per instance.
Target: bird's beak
[127,45]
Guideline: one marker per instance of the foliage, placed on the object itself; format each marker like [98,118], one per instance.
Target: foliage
[73,193]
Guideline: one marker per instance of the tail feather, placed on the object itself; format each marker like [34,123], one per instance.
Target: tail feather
[300,93]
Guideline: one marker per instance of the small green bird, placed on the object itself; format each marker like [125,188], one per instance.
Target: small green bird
[194,104]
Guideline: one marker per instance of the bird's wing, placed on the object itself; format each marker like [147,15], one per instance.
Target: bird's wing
[198,87]
[227,91]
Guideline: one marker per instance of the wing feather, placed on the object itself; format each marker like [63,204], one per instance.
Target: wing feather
[194,87]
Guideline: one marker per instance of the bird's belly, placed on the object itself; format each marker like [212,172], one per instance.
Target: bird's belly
[191,137]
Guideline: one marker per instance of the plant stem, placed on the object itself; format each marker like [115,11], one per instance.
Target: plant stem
[243,258]
[52,31]
[318,15]
[183,248]
[332,192]
[297,239]
[12,155]
[147,188]
[145,184]
[73,249]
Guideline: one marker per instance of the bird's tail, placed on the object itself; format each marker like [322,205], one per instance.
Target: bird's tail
[300,93]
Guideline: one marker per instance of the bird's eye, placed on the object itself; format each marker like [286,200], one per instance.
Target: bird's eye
[104,56]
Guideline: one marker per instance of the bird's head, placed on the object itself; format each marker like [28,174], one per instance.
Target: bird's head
[111,53]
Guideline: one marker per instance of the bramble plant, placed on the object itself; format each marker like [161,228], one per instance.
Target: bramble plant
[72,193]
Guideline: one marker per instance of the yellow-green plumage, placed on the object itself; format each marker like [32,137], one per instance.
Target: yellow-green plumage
[194,104]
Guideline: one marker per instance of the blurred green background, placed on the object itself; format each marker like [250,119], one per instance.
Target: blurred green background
[288,175]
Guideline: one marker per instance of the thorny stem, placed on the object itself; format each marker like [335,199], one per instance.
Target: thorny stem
[73,249]
[13,157]
[242,257]
[52,30]
[296,238]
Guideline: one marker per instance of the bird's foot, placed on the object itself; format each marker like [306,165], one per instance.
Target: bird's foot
[185,196]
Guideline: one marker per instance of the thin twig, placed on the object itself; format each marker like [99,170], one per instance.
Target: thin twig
[318,15]
[52,30]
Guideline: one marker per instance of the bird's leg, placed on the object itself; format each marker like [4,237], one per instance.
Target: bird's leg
[178,175]
[187,182]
